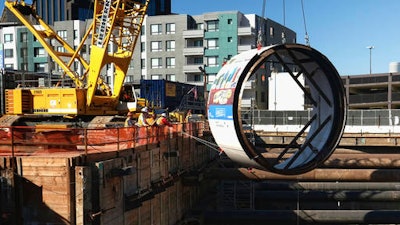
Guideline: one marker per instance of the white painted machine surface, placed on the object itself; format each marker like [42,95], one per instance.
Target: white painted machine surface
[324,91]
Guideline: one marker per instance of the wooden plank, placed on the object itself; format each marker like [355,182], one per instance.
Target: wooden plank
[44,161]
[132,217]
[156,209]
[172,205]
[165,208]
[110,192]
[39,181]
[44,172]
[145,213]
[53,198]
[155,164]
[83,180]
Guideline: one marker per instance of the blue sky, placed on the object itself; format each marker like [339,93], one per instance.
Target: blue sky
[339,29]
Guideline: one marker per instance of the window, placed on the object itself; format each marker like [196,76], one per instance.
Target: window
[198,43]
[59,68]
[170,46]
[230,21]
[60,49]
[198,78]
[156,63]
[212,25]
[24,52]
[200,26]
[155,29]
[84,49]
[143,30]
[142,46]
[198,60]
[171,77]
[170,27]
[143,63]
[271,31]
[24,37]
[8,53]
[39,67]
[76,35]
[170,62]
[211,78]
[39,52]
[156,76]
[212,43]
[131,64]
[76,66]
[62,34]
[8,38]
[9,66]
[24,66]
[229,39]
[212,61]
[156,46]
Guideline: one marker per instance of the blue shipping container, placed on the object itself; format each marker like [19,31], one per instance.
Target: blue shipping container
[168,94]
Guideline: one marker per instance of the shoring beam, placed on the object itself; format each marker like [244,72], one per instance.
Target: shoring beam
[281,217]
[333,185]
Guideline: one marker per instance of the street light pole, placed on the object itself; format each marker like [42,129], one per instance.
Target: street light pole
[370,58]
[203,70]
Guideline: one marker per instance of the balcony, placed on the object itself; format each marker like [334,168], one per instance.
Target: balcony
[191,68]
[246,31]
[193,34]
[193,51]
[243,48]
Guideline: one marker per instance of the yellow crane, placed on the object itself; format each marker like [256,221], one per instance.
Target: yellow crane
[116,23]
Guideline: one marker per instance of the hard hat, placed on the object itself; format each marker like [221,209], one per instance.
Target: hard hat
[145,109]
[164,114]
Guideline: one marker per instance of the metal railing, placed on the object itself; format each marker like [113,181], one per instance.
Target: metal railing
[371,119]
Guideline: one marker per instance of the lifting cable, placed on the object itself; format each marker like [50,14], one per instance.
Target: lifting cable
[307,39]
[209,144]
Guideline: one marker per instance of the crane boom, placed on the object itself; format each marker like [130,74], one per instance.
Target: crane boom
[117,23]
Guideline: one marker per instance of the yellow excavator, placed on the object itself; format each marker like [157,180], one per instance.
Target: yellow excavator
[116,23]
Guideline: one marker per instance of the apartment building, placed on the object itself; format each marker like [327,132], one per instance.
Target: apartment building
[171,47]
[61,10]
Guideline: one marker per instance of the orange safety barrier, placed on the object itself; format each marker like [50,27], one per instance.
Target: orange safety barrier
[22,140]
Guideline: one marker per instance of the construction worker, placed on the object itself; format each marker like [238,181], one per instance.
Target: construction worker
[188,115]
[144,119]
[129,120]
[163,120]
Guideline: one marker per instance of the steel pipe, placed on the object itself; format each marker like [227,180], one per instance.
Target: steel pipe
[339,175]
[333,185]
[307,195]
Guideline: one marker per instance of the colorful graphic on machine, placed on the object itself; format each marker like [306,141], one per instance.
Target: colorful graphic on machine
[221,96]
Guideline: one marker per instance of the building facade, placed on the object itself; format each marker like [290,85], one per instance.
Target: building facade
[173,47]
[184,48]
[61,10]
[373,91]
